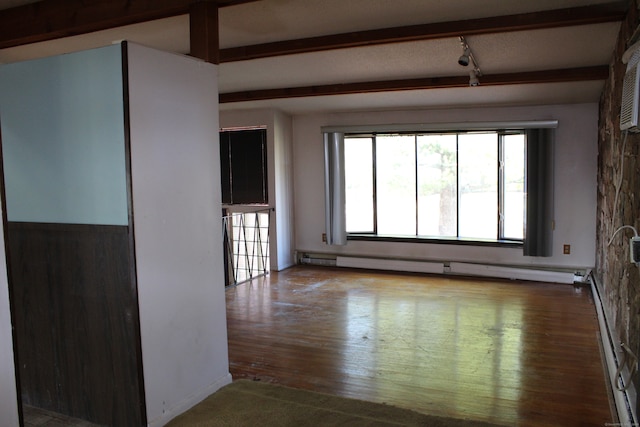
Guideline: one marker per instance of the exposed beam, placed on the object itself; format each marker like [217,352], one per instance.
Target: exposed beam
[52,19]
[529,77]
[594,14]
[203,31]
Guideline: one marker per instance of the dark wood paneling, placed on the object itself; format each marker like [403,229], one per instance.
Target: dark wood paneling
[76,320]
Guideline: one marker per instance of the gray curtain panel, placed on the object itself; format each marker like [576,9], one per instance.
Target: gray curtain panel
[539,189]
[335,216]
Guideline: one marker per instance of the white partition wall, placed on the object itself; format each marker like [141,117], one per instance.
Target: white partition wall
[114,234]
[173,104]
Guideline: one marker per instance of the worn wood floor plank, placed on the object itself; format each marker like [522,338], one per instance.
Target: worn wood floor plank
[512,353]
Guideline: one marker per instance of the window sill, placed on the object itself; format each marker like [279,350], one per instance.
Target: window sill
[437,241]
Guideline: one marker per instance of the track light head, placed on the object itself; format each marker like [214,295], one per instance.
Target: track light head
[467,58]
[473,78]
[464,58]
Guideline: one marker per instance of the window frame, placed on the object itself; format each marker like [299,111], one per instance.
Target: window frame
[237,189]
[500,241]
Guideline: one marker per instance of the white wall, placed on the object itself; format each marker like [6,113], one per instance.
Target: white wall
[175,169]
[575,184]
[280,172]
[283,177]
[8,393]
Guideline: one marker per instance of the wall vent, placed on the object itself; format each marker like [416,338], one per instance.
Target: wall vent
[630,94]
[629,107]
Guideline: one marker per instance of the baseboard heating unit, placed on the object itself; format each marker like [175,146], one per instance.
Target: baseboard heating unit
[459,268]
[625,399]
[391,265]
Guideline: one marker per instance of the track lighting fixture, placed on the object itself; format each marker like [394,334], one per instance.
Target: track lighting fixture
[464,58]
[467,58]
[473,78]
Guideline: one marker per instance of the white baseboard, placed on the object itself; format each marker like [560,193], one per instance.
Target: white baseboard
[624,400]
[189,402]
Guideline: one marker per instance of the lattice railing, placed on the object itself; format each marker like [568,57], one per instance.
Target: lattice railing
[246,245]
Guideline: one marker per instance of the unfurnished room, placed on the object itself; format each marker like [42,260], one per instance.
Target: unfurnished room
[319,212]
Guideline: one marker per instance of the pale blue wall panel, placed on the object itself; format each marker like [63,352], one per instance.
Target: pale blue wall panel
[62,121]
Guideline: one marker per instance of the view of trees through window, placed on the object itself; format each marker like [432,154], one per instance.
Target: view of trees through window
[445,185]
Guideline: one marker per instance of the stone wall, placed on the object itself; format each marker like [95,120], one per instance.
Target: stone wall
[618,202]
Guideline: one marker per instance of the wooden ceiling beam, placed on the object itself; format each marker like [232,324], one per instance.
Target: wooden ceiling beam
[529,77]
[203,32]
[52,19]
[593,14]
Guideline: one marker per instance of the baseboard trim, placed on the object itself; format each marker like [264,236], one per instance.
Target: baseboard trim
[622,399]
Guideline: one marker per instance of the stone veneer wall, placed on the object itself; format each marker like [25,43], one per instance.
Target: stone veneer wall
[618,279]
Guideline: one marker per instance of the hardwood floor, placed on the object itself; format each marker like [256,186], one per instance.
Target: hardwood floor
[511,353]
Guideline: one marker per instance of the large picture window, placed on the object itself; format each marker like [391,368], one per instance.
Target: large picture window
[447,185]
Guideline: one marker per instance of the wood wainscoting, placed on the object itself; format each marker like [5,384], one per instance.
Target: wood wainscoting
[507,352]
[76,321]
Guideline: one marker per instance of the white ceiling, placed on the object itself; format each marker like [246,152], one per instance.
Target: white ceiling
[276,20]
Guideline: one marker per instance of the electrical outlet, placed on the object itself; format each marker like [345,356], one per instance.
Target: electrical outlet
[634,249]
[566,249]
[324,237]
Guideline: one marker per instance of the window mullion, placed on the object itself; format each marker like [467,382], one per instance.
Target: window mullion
[415,155]
[501,186]
[458,195]
[375,184]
